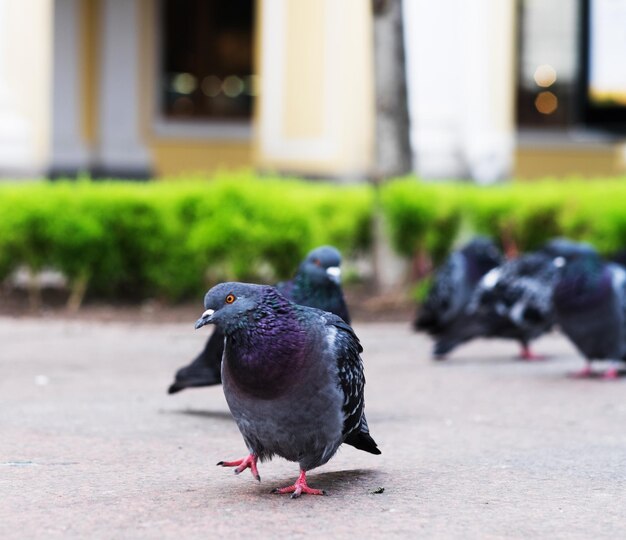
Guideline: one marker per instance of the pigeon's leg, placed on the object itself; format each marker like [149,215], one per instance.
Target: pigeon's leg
[612,373]
[584,373]
[299,488]
[528,355]
[248,462]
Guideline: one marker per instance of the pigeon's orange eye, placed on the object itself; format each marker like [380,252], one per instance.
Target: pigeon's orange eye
[317,262]
[230,299]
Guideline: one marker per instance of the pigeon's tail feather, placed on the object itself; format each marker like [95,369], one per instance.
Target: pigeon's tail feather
[427,321]
[199,378]
[205,369]
[175,387]
[362,441]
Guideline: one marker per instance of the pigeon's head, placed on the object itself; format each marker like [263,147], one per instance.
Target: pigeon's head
[227,304]
[482,255]
[568,249]
[322,265]
[580,277]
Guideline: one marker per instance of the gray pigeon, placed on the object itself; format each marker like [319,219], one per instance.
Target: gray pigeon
[316,284]
[292,377]
[442,315]
[590,303]
[514,300]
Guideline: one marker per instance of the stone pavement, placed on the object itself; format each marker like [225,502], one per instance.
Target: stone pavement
[480,446]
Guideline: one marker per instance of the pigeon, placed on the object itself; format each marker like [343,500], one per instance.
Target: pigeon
[316,284]
[443,312]
[589,304]
[292,377]
[514,300]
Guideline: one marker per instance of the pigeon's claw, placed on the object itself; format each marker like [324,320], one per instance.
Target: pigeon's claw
[584,373]
[529,356]
[299,488]
[241,465]
[611,374]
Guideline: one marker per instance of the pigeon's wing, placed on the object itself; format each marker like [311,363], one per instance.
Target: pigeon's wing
[446,296]
[618,278]
[485,292]
[515,299]
[346,347]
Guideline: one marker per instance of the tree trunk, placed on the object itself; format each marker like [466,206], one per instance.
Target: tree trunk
[393,147]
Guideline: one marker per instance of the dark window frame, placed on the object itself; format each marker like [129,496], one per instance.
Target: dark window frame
[606,118]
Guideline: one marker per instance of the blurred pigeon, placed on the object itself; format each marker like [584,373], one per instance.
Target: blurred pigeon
[514,300]
[293,379]
[589,304]
[316,284]
[443,312]
[566,248]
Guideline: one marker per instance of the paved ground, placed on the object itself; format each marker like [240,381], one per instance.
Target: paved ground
[481,446]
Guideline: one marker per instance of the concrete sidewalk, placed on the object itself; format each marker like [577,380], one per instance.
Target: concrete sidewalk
[480,446]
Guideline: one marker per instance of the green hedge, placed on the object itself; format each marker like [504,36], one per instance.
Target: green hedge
[172,239]
[527,213]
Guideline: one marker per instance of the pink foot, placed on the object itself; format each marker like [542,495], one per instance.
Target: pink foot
[584,373]
[529,356]
[611,374]
[248,462]
[299,488]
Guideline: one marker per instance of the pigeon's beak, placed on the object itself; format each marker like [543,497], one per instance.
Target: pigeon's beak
[334,273]
[207,318]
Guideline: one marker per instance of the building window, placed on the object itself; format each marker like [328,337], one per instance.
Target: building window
[603,88]
[207,53]
[548,63]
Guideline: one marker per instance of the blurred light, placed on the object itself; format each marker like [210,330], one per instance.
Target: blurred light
[211,86]
[545,75]
[184,83]
[232,86]
[252,85]
[546,102]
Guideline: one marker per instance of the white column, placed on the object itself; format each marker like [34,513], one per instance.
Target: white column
[14,130]
[70,153]
[122,150]
[434,77]
[488,89]
[23,122]
[460,78]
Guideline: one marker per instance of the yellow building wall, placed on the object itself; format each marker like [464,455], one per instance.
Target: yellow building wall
[174,157]
[590,161]
[90,35]
[315,113]
[28,65]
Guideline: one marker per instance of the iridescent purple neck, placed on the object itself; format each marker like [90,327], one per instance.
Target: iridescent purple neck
[264,354]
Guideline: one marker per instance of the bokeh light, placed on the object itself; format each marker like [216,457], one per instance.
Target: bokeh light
[545,75]
[211,86]
[546,102]
[232,86]
[184,83]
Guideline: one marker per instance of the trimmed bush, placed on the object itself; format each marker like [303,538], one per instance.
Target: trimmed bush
[422,216]
[171,240]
